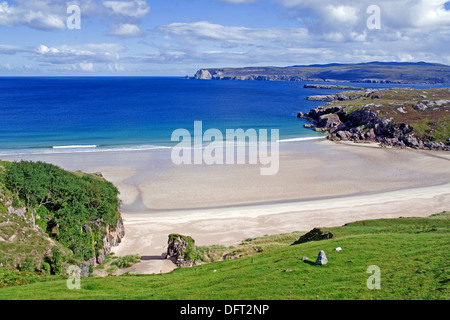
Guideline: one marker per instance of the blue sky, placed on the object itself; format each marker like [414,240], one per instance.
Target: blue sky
[177,37]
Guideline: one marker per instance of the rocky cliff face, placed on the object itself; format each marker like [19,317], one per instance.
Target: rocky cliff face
[221,74]
[397,117]
[365,125]
[112,238]
[203,74]
[181,249]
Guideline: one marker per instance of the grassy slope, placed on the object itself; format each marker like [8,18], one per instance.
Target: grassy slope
[412,253]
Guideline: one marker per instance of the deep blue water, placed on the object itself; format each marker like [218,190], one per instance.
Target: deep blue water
[39,113]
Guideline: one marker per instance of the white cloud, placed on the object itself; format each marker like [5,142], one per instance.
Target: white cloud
[135,9]
[86,66]
[116,67]
[343,14]
[238,1]
[395,14]
[40,14]
[51,15]
[206,31]
[42,49]
[126,30]
[11,50]
[86,54]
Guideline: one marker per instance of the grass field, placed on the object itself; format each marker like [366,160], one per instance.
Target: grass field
[413,255]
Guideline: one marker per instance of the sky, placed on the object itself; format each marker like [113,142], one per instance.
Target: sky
[178,37]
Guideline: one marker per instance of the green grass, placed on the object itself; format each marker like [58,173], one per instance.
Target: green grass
[18,278]
[413,255]
[247,248]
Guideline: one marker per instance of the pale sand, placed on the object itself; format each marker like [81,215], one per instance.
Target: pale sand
[319,184]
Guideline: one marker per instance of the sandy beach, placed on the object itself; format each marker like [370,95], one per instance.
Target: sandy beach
[320,183]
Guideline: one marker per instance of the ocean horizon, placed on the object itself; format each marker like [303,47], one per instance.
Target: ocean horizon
[90,114]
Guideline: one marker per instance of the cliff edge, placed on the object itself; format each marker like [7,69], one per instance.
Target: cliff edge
[415,118]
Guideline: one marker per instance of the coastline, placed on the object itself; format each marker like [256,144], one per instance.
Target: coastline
[320,183]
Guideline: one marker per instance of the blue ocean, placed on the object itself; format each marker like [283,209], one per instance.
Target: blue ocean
[69,114]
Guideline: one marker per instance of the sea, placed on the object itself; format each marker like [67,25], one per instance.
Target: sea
[95,114]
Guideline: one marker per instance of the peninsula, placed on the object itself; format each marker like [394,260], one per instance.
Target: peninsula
[371,72]
[398,117]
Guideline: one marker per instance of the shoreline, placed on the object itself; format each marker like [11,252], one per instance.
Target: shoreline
[320,183]
[256,210]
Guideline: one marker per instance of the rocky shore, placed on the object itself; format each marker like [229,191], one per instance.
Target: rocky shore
[349,117]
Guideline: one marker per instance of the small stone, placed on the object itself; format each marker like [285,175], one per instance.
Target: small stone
[338,249]
[304,258]
[321,258]
[350,260]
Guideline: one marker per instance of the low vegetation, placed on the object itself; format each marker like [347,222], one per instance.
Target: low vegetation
[413,255]
[248,247]
[50,217]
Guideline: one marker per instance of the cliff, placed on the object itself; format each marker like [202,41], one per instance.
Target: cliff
[372,72]
[51,218]
[405,117]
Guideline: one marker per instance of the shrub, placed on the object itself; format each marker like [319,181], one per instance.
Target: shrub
[74,209]
[126,261]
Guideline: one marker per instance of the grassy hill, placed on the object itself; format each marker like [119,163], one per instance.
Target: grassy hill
[413,255]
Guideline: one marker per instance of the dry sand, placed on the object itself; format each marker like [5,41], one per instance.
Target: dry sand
[319,184]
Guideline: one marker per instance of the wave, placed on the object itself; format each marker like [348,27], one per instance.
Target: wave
[80,149]
[75,146]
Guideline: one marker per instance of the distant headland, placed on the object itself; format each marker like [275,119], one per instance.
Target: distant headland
[371,72]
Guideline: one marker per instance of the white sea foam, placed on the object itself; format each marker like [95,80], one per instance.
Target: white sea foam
[81,149]
[99,148]
[75,146]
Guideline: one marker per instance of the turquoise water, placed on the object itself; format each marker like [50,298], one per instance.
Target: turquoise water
[53,114]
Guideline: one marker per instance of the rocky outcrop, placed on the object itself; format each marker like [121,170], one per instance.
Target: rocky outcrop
[364,125]
[180,249]
[203,74]
[342,96]
[112,238]
[314,235]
